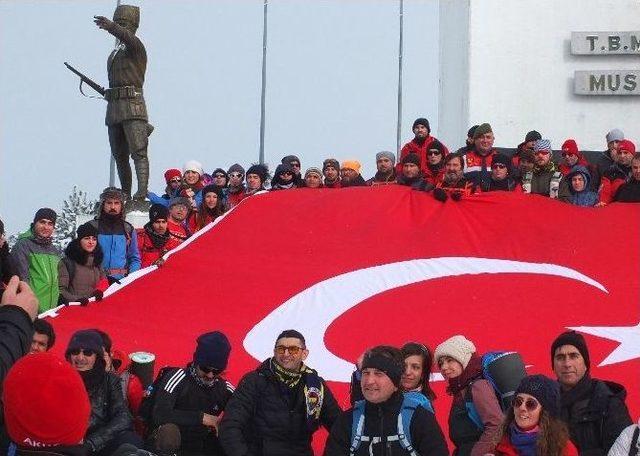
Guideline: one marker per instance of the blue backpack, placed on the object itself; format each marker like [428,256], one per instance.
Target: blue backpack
[403,436]
[503,371]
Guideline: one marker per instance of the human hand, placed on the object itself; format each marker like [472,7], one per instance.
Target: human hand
[19,294]
[440,194]
[103,23]
[211,421]
[98,295]
[83,301]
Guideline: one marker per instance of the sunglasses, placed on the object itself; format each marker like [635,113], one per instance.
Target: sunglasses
[498,166]
[235,175]
[287,173]
[293,349]
[85,351]
[210,370]
[434,152]
[175,181]
[530,404]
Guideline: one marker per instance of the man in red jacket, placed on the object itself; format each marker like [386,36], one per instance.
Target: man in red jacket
[419,144]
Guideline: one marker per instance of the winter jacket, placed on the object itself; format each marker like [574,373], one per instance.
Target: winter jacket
[182,401]
[6,266]
[434,174]
[463,187]
[505,448]
[380,179]
[629,192]
[36,262]
[16,332]
[595,413]
[334,184]
[463,432]
[587,197]
[612,180]
[235,195]
[543,181]
[148,251]
[416,183]
[262,419]
[75,450]
[357,181]
[109,414]
[603,163]
[119,243]
[477,167]
[623,444]
[79,274]
[382,420]
[419,148]
[178,233]
[508,184]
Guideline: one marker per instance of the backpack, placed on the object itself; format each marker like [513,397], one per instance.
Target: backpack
[403,436]
[503,371]
[149,397]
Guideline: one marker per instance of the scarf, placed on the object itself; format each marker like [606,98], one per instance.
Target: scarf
[523,441]
[199,380]
[582,390]
[158,240]
[548,168]
[92,378]
[279,186]
[313,389]
[472,372]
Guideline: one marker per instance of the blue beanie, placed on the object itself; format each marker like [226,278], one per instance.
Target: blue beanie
[212,351]
[545,390]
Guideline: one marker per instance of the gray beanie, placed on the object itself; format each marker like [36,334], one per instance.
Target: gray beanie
[457,347]
[386,154]
[615,135]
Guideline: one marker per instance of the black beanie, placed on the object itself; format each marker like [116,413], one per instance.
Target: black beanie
[85,339]
[411,158]
[286,160]
[501,158]
[45,213]
[87,230]
[260,170]
[212,351]
[158,211]
[532,136]
[545,390]
[421,121]
[220,171]
[571,338]
[388,365]
[211,188]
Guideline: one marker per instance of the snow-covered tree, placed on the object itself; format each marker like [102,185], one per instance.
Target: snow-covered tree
[75,205]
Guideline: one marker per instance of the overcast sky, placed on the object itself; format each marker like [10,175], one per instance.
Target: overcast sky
[331,87]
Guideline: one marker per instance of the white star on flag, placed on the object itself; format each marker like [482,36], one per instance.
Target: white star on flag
[628,336]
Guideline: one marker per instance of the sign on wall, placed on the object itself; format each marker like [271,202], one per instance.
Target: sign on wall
[606,82]
[605,43]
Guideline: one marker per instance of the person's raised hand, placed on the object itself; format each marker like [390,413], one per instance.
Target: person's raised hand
[19,294]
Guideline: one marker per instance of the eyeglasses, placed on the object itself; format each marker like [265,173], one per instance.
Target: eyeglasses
[434,152]
[541,152]
[84,351]
[210,370]
[530,404]
[293,349]
[235,174]
[498,166]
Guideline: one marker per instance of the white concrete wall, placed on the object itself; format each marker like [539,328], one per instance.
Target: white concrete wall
[517,65]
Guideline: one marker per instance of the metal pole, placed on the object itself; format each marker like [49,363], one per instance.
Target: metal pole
[264,80]
[399,125]
[112,162]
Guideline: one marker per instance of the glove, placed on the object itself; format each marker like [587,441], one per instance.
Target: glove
[456,196]
[113,280]
[440,194]
[98,295]
[83,301]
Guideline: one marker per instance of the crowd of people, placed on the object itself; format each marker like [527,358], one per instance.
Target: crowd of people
[90,403]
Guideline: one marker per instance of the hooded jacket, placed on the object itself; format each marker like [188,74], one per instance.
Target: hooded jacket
[586,197]
[79,273]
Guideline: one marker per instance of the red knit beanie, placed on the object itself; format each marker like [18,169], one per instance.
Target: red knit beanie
[45,402]
[627,145]
[569,147]
[172,174]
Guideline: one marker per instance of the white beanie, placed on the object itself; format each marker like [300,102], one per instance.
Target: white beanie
[193,165]
[457,347]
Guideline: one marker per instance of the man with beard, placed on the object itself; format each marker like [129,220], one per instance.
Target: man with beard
[116,236]
[419,144]
[235,191]
[609,157]
[545,178]
[618,173]
[350,174]
[176,223]
[189,401]
[110,424]
[276,408]
[331,173]
[468,142]
[629,192]
[154,236]
[411,175]
[386,174]
[36,259]
[477,161]
[594,410]
[454,183]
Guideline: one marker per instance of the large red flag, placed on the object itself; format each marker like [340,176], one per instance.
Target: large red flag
[357,267]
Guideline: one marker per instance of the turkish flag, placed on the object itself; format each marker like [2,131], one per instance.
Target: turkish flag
[357,267]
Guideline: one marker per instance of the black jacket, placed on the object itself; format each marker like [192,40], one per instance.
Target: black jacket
[109,413]
[382,420]
[596,415]
[261,419]
[629,192]
[181,401]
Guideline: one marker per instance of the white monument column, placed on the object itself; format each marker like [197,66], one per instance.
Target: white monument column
[510,63]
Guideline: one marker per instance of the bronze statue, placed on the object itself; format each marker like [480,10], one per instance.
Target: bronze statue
[126,118]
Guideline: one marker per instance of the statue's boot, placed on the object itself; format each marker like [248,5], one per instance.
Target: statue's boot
[142,174]
[124,174]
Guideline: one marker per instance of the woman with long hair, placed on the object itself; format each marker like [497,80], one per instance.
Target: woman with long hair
[532,426]
[415,377]
[211,207]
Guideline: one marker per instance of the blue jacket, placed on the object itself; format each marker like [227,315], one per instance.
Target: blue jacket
[586,197]
[119,243]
